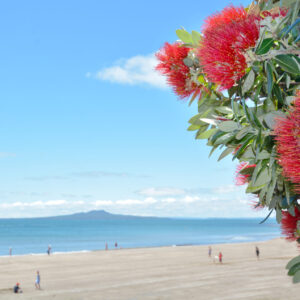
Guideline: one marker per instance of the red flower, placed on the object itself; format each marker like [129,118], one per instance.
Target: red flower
[240,178]
[289,224]
[178,74]
[287,132]
[226,38]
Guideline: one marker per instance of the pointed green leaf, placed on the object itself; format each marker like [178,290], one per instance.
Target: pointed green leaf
[184,36]
[248,83]
[288,63]
[265,46]
[228,126]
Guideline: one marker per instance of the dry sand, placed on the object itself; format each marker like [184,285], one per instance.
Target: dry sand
[155,273]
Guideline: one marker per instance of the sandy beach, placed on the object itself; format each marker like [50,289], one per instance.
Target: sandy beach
[183,272]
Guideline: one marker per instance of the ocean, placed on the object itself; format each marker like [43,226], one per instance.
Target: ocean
[32,236]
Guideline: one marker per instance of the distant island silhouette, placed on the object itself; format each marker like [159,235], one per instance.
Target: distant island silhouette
[95,215]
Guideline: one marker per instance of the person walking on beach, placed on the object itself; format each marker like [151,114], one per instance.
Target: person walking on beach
[116,245]
[257,252]
[106,246]
[220,257]
[38,280]
[209,251]
[10,251]
[49,249]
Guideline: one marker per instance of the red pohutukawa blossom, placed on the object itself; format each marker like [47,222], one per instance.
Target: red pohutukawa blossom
[275,13]
[240,178]
[171,64]
[226,38]
[289,224]
[287,132]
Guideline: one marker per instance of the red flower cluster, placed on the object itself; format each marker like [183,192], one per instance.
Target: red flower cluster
[171,64]
[240,178]
[289,224]
[287,132]
[226,37]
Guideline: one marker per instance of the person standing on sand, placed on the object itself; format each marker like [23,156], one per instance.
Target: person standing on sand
[38,280]
[257,252]
[106,246]
[10,251]
[116,245]
[220,257]
[209,251]
[49,249]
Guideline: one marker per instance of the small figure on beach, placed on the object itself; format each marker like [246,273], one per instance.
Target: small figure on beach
[17,289]
[220,257]
[49,249]
[209,251]
[257,252]
[106,246]
[38,280]
[116,245]
[10,251]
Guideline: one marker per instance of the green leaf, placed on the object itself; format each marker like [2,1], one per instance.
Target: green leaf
[184,36]
[263,155]
[288,63]
[243,147]
[248,83]
[270,192]
[228,126]
[289,99]
[295,268]
[253,189]
[265,46]
[188,62]
[224,110]
[270,118]
[278,216]
[207,134]
[210,121]
[196,36]
[193,127]
[269,78]
[292,262]
[296,277]
[226,152]
[243,132]
[262,178]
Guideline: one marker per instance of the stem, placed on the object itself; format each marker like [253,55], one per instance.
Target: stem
[273,53]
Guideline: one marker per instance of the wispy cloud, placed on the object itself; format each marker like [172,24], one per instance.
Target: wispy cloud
[162,191]
[135,70]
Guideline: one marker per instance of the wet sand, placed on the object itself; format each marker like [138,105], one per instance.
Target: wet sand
[155,273]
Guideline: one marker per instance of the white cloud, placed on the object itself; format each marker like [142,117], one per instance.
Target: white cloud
[191,199]
[129,202]
[34,204]
[168,200]
[150,200]
[163,191]
[135,70]
[103,203]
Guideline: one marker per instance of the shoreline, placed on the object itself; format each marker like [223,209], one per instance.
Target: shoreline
[141,247]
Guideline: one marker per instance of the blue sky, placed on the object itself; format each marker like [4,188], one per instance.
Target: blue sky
[86,123]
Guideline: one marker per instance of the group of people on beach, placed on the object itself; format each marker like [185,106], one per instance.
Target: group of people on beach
[17,288]
[220,256]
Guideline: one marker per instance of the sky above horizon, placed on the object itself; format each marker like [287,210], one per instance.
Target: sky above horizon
[86,123]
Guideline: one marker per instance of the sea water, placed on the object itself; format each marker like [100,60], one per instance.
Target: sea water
[32,236]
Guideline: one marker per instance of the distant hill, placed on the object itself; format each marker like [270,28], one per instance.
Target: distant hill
[96,215]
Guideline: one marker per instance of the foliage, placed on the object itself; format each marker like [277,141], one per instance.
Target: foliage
[253,53]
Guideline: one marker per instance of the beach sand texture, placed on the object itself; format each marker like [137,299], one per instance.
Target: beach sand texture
[183,272]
